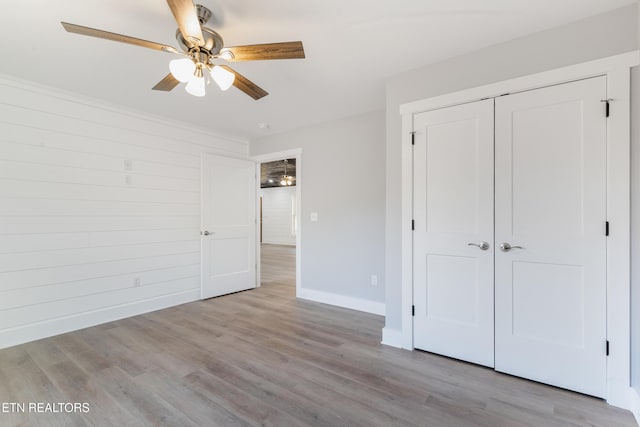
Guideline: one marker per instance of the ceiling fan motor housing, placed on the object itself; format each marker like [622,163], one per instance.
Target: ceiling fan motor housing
[213,42]
[203,14]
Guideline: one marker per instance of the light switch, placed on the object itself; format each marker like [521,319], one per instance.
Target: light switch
[314,216]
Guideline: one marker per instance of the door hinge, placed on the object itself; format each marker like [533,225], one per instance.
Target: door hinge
[607,347]
[606,228]
[413,224]
[413,138]
[413,310]
[607,109]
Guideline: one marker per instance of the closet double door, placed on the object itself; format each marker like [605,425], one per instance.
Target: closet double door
[509,244]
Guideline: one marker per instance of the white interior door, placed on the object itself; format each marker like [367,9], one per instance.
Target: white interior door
[228,225]
[551,201]
[453,236]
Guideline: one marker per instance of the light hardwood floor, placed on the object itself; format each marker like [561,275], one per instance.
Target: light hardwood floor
[263,358]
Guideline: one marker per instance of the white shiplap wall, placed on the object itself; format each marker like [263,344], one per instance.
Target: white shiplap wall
[99,211]
[278,207]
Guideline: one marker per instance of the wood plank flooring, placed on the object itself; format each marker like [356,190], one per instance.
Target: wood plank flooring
[263,358]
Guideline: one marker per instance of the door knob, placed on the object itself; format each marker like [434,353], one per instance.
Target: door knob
[482,245]
[506,247]
[205,233]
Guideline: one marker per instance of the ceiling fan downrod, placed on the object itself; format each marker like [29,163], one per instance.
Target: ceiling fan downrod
[203,13]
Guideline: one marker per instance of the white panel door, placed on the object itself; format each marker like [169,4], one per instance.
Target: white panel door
[551,201]
[453,237]
[228,225]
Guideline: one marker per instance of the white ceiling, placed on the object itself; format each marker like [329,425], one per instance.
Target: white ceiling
[352,46]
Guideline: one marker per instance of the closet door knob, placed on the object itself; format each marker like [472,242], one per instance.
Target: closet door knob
[506,247]
[482,245]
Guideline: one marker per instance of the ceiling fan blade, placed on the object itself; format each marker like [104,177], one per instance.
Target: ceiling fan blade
[185,14]
[92,32]
[167,84]
[285,50]
[246,85]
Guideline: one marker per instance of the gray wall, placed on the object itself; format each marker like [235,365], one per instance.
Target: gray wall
[343,180]
[600,36]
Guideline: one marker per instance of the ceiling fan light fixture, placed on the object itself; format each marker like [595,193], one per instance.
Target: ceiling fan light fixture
[182,69]
[196,86]
[223,78]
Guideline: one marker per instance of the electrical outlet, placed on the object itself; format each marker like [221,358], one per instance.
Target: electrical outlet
[374,280]
[128,179]
[136,281]
[314,216]
[128,165]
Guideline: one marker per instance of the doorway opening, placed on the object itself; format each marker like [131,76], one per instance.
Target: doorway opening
[278,233]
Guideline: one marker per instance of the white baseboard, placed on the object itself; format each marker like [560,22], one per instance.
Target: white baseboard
[264,242]
[342,301]
[392,337]
[634,404]
[36,331]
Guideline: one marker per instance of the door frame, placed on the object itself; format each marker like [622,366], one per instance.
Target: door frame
[617,69]
[295,153]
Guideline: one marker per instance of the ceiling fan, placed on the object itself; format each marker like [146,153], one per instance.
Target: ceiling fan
[200,46]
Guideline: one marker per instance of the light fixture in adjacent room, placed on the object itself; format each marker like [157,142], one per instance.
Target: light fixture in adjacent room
[286,179]
[278,173]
